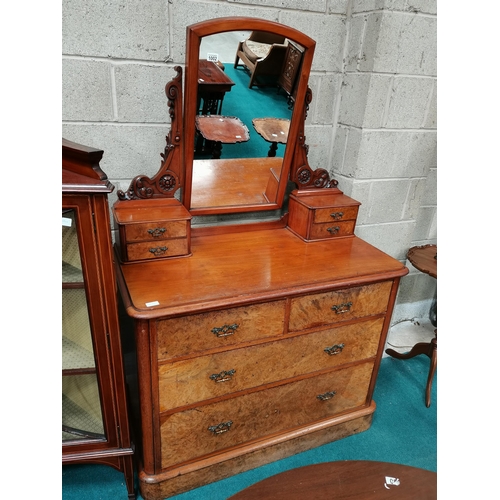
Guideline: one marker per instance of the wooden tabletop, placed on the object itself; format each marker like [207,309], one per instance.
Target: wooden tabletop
[346,480]
[272,129]
[211,78]
[424,258]
[225,129]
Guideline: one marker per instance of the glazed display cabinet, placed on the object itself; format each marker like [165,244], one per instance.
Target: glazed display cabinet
[94,409]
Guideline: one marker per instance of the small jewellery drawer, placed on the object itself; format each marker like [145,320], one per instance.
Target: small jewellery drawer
[318,309]
[160,230]
[322,214]
[190,381]
[332,229]
[210,428]
[155,249]
[198,332]
[152,229]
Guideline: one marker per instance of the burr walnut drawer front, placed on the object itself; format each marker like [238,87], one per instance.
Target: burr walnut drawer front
[199,332]
[157,249]
[210,428]
[335,214]
[318,309]
[190,381]
[154,231]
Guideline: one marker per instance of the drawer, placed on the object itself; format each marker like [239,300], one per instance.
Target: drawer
[153,231]
[190,381]
[332,230]
[331,307]
[335,214]
[199,332]
[156,249]
[211,428]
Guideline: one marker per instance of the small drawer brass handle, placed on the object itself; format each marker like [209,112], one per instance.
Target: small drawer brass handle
[342,308]
[158,251]
[337,215]
[335,349]
[220,428]
[333,230]
[223,376]
[326,396]
[157,232]
[225,331]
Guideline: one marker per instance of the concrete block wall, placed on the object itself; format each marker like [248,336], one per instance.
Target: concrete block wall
[372,122]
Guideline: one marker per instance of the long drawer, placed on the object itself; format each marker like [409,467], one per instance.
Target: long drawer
[318,309]
[214,427]
[199,332]
[193,380]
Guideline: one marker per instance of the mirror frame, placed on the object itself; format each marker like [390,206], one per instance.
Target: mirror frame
[194,35]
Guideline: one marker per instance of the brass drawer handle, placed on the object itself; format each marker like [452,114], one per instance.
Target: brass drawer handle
[220,428]
[337,215]
[333,230]
[158,251]
[335,349]
[224,331]
[223,376]
[157,232]
[326,396]
[342,308]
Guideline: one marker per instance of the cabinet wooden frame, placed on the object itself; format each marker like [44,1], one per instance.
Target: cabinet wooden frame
[85,190]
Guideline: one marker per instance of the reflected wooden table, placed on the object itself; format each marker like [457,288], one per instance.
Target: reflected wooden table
[423,258]
[221,130]
[213,84]
[273,130]
[346,480]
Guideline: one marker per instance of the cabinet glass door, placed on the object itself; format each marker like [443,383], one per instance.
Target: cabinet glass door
[81,403]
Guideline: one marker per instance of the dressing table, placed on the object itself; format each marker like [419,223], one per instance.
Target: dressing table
[255,340]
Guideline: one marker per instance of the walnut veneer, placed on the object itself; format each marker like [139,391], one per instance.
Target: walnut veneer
[257,346]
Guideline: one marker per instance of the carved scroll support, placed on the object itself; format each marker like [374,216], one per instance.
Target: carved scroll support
[169,177]
[301,173]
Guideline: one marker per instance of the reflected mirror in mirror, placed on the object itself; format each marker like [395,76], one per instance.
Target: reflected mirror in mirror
[242,120]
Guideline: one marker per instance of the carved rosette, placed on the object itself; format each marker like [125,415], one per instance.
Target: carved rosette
[169,177]
[302,174]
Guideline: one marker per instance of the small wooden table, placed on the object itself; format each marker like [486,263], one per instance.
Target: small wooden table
[272,130]
[423,258]
[346,480]
[213,84]
[221,129]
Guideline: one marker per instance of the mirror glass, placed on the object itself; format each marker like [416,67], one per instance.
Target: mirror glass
[236,153]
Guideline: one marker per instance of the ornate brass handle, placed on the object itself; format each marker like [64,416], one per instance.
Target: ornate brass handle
[335,349]
[158,251]
[326,396]
[223,376]
[337,215]
[342,308]
[220,428]
[333,230]
[157,232]
[225,331]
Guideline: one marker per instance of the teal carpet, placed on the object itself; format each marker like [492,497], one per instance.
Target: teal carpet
[403,431]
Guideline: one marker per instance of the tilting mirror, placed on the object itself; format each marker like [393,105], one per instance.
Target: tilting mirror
[246,81]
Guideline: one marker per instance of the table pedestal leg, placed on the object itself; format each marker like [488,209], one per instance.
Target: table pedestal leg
[217,151]
[430,350]
[273,149]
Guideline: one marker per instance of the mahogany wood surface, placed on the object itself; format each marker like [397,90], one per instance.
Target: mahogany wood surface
[345,480]
[84,190]
[211,78]
[233,268]
[233,182]
[424,258]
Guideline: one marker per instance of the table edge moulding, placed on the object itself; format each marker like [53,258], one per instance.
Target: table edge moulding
[249,341]
[91,332]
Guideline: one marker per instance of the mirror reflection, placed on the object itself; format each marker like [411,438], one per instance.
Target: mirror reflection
[244,109]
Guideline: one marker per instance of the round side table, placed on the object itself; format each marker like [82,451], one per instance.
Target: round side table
[423,258]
